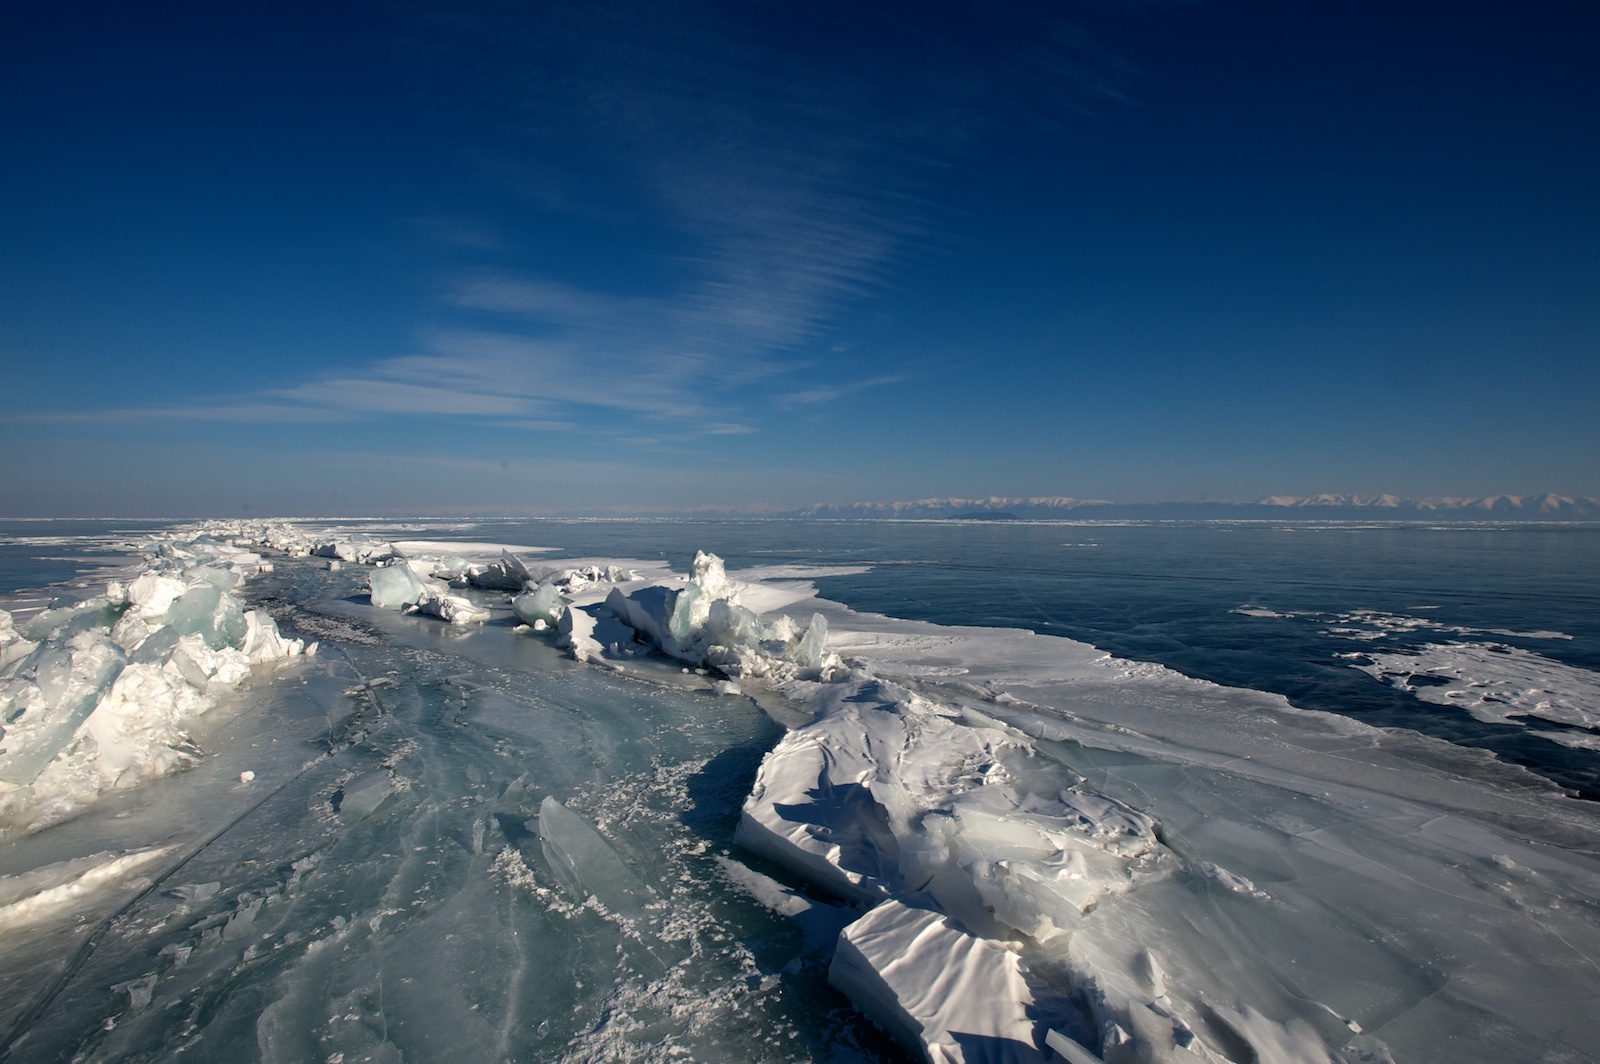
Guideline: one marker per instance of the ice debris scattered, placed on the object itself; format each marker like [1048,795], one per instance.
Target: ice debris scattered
[425,585]
[101,693]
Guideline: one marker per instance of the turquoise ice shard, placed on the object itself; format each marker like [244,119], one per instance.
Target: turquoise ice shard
[543,603]
[808,651]
[394,586]
[586,864]
[69,681]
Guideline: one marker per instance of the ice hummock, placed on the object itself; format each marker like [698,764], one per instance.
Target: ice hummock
[703,622]
[397,587]
[99,694]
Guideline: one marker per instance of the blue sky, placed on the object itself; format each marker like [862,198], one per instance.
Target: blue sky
[540,257]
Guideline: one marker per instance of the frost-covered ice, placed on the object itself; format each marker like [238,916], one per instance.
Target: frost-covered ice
[998,845]
[930,982]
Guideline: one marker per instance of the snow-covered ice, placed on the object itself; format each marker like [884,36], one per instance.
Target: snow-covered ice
[1497,683]
[998,845]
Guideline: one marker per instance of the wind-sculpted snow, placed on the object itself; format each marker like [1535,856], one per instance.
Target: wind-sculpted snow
[996,845]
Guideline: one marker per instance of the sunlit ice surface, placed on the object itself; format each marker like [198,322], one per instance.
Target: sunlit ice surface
[379,890]
[455,840]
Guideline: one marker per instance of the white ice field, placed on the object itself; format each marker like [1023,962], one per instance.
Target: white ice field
[742,819]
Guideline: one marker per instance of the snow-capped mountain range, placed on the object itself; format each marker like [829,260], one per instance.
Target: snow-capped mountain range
[1546,507]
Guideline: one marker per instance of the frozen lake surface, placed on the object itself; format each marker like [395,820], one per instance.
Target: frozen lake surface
[436,841]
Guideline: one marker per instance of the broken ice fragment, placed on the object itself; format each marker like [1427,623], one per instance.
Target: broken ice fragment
[808,651]
[139,991]
[586,864]
[544,604]
[394,586]
[362,796]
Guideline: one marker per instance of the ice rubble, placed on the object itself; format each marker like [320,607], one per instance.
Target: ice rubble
[935,804]
[704,623]
[973,867]
[100,694]
[423,584]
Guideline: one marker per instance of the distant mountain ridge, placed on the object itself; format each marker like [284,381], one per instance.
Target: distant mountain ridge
[1545,507]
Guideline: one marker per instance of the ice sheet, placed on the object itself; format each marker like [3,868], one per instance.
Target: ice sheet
[1110,860]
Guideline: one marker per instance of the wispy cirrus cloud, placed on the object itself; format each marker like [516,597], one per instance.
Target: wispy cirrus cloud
[829,392]
[757,171]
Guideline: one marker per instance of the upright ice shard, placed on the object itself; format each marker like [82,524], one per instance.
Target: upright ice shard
[394,586]
[544,603]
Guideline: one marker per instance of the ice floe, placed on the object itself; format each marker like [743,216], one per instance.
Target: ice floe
[1498,684]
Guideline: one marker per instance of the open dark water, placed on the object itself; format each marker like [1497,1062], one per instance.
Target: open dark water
[36,554]
[1168,593]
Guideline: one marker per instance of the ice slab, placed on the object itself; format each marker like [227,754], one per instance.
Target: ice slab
[1494,682]
[543,603]
[587,865]
[394,586]
[361,796]
[101,698]
[958,998]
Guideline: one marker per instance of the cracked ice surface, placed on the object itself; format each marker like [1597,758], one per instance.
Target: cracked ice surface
[456,842]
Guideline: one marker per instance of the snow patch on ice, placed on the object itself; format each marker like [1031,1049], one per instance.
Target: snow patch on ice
[1497,684]
[43,893]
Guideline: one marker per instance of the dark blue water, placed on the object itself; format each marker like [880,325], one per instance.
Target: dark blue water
[1167,593]
[37,554]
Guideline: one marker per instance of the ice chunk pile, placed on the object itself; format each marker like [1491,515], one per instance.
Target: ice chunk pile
[355,549]
[423,584]
[397,587]
[98,694]
[965,849]
[704,623]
